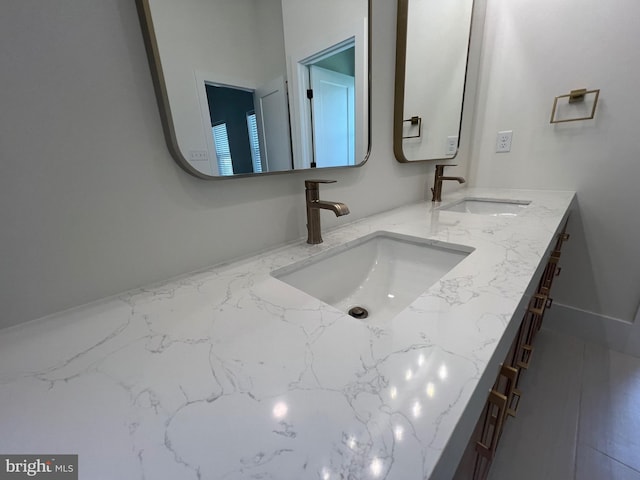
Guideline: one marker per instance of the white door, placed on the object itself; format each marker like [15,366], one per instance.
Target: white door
[272,114]
[333,117]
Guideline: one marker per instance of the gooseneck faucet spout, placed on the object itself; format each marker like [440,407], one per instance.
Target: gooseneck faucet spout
[314,205]
[437,183]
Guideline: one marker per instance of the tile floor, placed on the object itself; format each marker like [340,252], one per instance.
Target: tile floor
[579,417]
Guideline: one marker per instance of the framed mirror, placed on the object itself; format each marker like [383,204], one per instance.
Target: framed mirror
[432,53]
[250,87]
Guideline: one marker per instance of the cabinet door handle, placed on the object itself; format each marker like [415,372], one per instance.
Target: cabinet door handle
[524,358]
[537,303]
[488,443]
[524,350]
[562,237]
[514,402]
[511,392]
[558,270]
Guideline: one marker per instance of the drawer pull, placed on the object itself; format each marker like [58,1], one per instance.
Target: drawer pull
[538,301]
[548,274]
[537,310]
[488,443]
[511,374]
[562,237]
[514,402]
[525,356]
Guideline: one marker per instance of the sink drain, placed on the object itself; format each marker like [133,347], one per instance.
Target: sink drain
[358,312]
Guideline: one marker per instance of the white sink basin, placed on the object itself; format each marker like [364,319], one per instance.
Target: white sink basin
[381,273]
[488,206]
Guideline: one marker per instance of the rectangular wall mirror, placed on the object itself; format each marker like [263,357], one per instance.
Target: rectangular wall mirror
[248,87]
[432,52]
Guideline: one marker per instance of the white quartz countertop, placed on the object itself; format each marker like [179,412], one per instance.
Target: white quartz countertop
[231,374]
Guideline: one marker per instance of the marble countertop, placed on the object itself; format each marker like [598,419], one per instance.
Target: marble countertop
[232,374]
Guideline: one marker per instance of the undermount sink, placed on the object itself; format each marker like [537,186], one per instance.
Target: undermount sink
[376,276]
[488,206]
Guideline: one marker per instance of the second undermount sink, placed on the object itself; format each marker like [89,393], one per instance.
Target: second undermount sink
[488,206]
[376,276]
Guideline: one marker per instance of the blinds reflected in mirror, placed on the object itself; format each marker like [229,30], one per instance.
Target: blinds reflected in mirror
[254,143]
[223,152]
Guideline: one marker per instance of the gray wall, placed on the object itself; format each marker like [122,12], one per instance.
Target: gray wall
[93,204]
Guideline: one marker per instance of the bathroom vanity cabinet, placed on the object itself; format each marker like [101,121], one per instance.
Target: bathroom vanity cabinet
[232,373]
[505,395]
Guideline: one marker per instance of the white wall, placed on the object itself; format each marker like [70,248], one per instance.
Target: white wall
[532,52]
[92,202]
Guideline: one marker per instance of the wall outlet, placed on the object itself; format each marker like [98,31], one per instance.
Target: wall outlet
[198,155]
[503,141]
[452,145]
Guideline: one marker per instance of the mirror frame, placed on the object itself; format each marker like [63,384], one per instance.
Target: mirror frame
[162,97]
[401,66]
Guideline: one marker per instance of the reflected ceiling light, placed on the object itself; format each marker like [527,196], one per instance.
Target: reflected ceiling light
[416,409]
[280,410]
[376,467]
[431,389]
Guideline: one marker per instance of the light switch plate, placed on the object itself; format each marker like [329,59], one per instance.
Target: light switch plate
[198,155]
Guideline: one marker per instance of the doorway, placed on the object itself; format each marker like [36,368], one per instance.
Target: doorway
[330,82]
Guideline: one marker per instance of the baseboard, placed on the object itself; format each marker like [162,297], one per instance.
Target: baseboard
[612,333]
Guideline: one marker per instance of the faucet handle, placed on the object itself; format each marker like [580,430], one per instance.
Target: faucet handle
[315,183]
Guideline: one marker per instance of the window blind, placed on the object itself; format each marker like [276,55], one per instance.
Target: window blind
[221,142]
[252,125]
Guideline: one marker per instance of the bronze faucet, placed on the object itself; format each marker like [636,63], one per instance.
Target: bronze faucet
[437,183]
[314,204]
